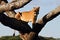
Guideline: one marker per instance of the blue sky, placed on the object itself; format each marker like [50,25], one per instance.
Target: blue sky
[51,29]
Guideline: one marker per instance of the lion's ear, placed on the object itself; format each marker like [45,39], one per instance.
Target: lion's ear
[35,9]
[17,16]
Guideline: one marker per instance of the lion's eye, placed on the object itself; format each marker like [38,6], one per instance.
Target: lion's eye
[35,14]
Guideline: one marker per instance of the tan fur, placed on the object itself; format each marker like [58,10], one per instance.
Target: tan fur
[28,16]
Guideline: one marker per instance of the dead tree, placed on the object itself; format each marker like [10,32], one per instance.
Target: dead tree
[26,33]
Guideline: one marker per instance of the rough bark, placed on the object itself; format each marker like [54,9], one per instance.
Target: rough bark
[13,5]
[40,24]
[9,13]
[33,35]
[27,36]
[13,23]
[48,17]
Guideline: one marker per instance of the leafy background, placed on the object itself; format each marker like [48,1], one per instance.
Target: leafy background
[17,38]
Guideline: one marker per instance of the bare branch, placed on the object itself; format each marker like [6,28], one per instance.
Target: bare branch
[48,17]
[13,23]
[51,15]
[13,5]
[9,13]
[15,0]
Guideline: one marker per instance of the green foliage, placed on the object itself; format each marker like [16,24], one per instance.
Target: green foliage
[18,38]
[10,38]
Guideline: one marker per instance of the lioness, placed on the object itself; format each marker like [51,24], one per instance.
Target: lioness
[28,16]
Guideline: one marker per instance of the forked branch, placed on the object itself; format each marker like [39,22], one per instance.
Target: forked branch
[48,17]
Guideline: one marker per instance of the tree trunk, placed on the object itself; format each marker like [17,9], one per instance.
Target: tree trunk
[29,36]
[34,34]
[42,21]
